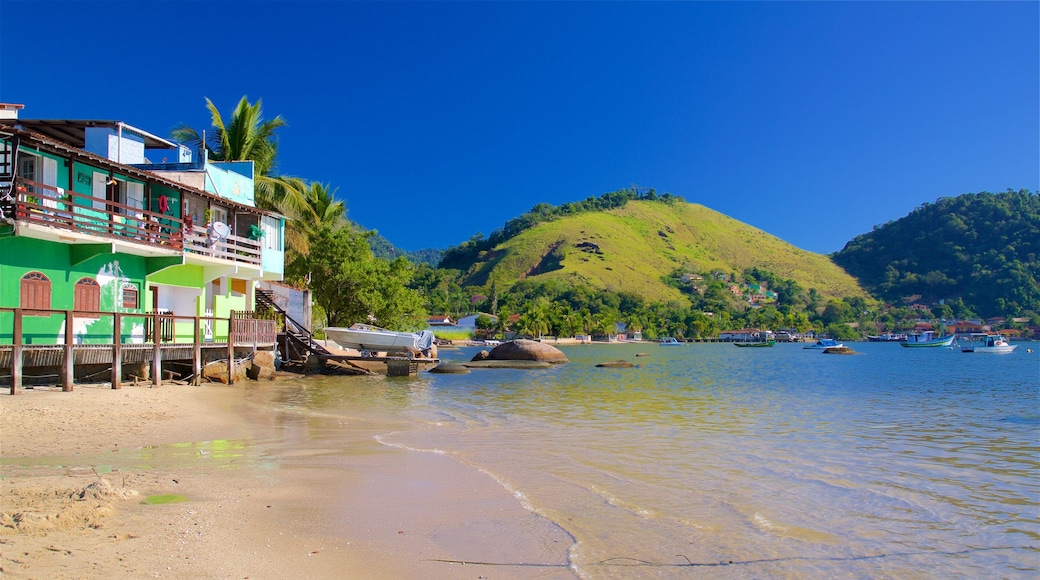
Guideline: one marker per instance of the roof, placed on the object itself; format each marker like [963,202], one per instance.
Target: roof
[74,132]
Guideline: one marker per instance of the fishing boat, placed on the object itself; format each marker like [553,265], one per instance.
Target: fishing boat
[886,337]
[371,339]
[927,338]
[823,343]
[669,341]
[756,344]
[992,343]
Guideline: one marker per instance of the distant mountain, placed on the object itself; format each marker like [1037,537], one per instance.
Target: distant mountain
[640,246]
[382,248]
[982,249]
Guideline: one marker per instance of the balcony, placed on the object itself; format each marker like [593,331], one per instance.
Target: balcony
[37,208]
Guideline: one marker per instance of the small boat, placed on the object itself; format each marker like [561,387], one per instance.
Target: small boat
[756,344]
[886,337]
[823,343]
[993,343]
[670,341]
[371,339]
[926,339]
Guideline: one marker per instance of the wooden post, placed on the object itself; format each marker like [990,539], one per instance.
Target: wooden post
[231,349]
[156,351]
[16,353]
[117,351]
[68,358]
[196,353]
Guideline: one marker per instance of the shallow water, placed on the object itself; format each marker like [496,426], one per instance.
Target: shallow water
[717,461]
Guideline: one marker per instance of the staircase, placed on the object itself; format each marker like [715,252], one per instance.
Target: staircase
[298,340]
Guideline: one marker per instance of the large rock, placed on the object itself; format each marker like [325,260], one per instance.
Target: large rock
[450,368]
[218,371]
[527,350]
[263,366]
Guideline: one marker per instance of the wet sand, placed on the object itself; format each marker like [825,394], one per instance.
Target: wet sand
[268,494]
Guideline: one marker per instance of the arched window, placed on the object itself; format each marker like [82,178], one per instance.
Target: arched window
[36,291]
[87,295]
[129,296]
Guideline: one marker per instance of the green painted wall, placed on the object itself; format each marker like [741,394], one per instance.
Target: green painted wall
[111,271]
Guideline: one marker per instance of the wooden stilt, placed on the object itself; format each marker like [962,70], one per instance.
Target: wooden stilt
[156,351]
[16,353]
[196,354]
[117,351]
[68,357]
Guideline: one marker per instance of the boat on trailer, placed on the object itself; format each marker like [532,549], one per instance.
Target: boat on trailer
[370,339]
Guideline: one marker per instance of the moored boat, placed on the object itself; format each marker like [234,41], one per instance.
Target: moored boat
[991,343]
[886,337]
[823,343]
[761,343]
[669,341]
[926,339]
[369,339]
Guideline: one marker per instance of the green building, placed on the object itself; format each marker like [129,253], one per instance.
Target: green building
[101,217]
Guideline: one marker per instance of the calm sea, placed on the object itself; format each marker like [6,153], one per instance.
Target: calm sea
[714,461]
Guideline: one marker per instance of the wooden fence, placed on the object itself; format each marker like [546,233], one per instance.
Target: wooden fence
[244,331]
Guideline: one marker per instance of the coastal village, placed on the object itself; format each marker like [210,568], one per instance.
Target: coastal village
[130,257]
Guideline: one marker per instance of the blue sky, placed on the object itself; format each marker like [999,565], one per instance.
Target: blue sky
[436,121]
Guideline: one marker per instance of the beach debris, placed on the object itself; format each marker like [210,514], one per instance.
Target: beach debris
[617,364]
[523,349]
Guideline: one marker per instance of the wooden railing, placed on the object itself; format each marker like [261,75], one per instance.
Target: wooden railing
[244,331]
[50,206]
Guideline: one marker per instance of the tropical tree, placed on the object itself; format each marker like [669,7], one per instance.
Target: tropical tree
[351,285]
[247,136]
[320,210]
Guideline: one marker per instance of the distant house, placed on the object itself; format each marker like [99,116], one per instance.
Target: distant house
[743,334]
[966,327]
[442,320]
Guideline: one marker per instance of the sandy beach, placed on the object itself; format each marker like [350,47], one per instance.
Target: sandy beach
[262,497]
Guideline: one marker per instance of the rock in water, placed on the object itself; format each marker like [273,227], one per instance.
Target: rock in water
[450,368]
[617,364]
[527,350]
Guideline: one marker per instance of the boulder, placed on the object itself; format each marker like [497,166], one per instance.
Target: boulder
[838,350]
[507,364]
[218,371]
[527,350]
[450,368]
[263,365]
[482,355]
[617,364]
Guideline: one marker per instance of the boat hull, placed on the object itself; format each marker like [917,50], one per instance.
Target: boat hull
[376,339]
[755,344]
[991,349]
[936,342]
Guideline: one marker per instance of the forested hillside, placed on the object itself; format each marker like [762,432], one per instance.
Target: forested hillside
[980,251]
[647,247]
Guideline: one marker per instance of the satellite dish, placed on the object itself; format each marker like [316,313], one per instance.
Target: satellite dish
[221,229]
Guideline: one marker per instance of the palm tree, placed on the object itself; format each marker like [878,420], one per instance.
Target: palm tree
[320,210]
[248,137]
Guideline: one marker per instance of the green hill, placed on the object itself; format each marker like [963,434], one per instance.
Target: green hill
[638,247]
[978,250]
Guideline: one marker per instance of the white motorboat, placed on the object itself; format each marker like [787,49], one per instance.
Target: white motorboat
[371,339]
[992,343]
[823,343]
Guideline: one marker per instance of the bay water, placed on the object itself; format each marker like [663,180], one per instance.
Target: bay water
[707,460]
